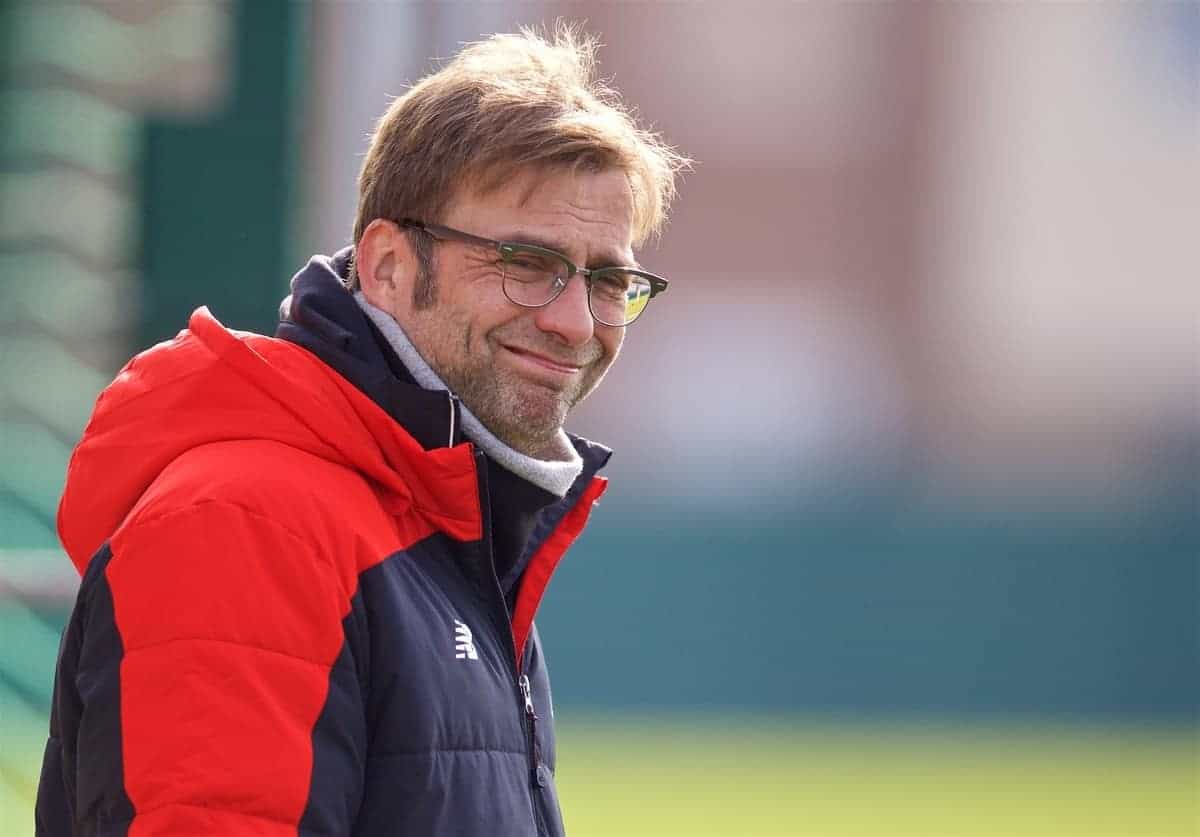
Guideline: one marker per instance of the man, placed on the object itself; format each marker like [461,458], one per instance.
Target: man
[311,562]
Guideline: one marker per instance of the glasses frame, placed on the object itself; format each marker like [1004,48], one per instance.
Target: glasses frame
[508,250]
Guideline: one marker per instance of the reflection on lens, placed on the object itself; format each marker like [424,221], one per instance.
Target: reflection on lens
[618,298]
[615,297]
[637,297]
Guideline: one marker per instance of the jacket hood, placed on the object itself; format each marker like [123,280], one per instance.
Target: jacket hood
[210,384]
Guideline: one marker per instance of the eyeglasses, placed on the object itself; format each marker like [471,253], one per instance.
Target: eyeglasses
[533,277]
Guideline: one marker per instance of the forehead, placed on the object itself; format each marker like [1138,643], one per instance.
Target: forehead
[574,208]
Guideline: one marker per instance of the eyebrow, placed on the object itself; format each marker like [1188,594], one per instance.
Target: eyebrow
[522,237]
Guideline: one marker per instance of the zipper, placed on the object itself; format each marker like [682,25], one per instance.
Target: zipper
[535,750]
[529,716]
[536,779]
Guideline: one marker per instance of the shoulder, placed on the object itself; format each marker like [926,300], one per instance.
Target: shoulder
[281,501]
[219,554]
[268,477]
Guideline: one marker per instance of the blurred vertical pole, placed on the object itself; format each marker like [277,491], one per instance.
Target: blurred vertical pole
[217,194]
[362,54]
[65,213]
[76,81]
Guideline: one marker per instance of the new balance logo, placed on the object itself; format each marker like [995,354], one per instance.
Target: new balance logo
[464,643]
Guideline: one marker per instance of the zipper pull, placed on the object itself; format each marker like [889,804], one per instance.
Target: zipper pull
[535,749]
[453,417]
[527,693]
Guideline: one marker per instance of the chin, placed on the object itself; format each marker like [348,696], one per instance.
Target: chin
[533,419]
[525,414]
[542,424]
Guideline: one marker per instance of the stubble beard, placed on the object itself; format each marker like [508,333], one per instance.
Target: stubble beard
[525,415]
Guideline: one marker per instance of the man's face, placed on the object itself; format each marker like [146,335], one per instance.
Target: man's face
[521,370]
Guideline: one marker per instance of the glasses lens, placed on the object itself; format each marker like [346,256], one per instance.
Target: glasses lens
[533,278]
[619,297]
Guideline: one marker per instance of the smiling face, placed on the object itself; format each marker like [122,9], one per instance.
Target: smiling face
[519,370]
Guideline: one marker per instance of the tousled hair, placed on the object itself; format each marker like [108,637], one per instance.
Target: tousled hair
[503,104]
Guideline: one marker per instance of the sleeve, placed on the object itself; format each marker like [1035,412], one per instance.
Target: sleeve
[235,692]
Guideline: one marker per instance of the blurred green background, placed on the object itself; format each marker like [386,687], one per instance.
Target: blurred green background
[904,542]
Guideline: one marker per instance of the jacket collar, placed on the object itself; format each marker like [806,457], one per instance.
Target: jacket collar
[322,316]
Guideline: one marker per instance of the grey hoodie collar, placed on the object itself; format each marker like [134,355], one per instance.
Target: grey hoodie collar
[555,476]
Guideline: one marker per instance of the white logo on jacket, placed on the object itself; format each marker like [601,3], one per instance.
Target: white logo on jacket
[464,642]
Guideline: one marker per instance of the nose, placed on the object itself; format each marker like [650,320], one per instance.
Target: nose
[568,316]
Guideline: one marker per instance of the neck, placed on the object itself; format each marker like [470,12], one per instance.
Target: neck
[555,472]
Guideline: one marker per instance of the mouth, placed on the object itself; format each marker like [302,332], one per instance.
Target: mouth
[542,366]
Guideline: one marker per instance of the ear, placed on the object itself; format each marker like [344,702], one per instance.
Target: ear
[385,265]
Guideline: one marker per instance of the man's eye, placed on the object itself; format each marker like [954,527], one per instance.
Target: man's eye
[614,285]
[532,262]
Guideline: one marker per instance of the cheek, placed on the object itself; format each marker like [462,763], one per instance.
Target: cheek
[611,340]
[470,316]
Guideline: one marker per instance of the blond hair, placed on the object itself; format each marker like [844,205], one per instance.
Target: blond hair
[502,104]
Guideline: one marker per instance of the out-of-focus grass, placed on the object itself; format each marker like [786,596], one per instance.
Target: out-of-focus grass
[22,741]
[694,777]
[707,776]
